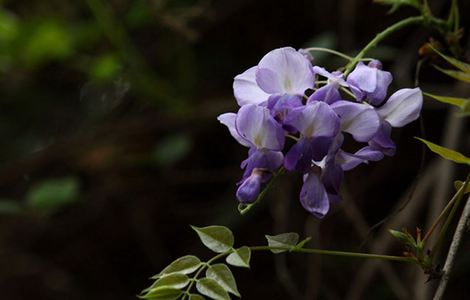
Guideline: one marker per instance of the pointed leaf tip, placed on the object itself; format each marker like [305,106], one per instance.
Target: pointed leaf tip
[240,257]
[283,240]
[217,238]
[446,153]
[210,288]
[222,274]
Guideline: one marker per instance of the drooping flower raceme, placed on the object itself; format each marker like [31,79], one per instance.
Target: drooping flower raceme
[279,98]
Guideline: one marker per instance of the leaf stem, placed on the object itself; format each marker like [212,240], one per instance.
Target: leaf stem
[202,268]
[443,231]
[379,37]
[442,214]
[335,253]
[426,19]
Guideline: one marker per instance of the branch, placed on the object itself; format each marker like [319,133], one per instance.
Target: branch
[454,247]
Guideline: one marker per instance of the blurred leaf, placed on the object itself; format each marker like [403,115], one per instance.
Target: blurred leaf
[183,265]
[162,293]
[222,274]
[458,184]
[459,102]
[240,257]
[210,288]
[196,297]
[283,240]
[53,194]
[461,76]
[217,238]
[10,207]
[446,153]
[175,280]
[105,68]
[9,27]
[45,41]
[172,149]
[396,4]
[464,67]
[139,13]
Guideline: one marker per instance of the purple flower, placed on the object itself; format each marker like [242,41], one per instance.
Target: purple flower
[249,188]
[322,182]
[402,108]
[281,71]
[358,119]
[254,127]
[317,124]
[370,82]
[328,93]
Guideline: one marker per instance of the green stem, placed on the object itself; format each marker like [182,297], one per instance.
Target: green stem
[379,37]
[442,214]
[443,231]
[337,53]
[202,268]
[427,19]
[334,253]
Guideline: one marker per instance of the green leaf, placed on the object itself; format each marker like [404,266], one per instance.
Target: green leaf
[105,67]
[222,274]
[458,184]
[172,149]
[217,238]
[52,194]
[210,288]
[464,67]
[10,207]
[196,297]
[174,280]
[183,265]
[47,40]
[283,240]
[446,153]
[462,76]
[399,235]
[302,243]
[240,257]
[459,102]
[162,293]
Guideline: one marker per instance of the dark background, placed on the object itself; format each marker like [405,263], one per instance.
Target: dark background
[111,148]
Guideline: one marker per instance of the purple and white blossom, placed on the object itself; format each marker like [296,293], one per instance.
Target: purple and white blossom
[281,71]
[370,82]
[272,103]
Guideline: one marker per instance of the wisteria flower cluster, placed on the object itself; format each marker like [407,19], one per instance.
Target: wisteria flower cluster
[286,96]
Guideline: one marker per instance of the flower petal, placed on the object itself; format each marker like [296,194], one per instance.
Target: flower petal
[328,93]
[255,124]
[246,90]
[266,160]
[250,188]
[291,68]
[313,196]
[363,77]
[360,120]
[316,119]
[403,107]
[228,119]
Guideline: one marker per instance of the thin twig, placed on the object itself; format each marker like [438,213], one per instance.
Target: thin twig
[454,247]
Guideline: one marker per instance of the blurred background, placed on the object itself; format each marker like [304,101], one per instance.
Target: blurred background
[111,148]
